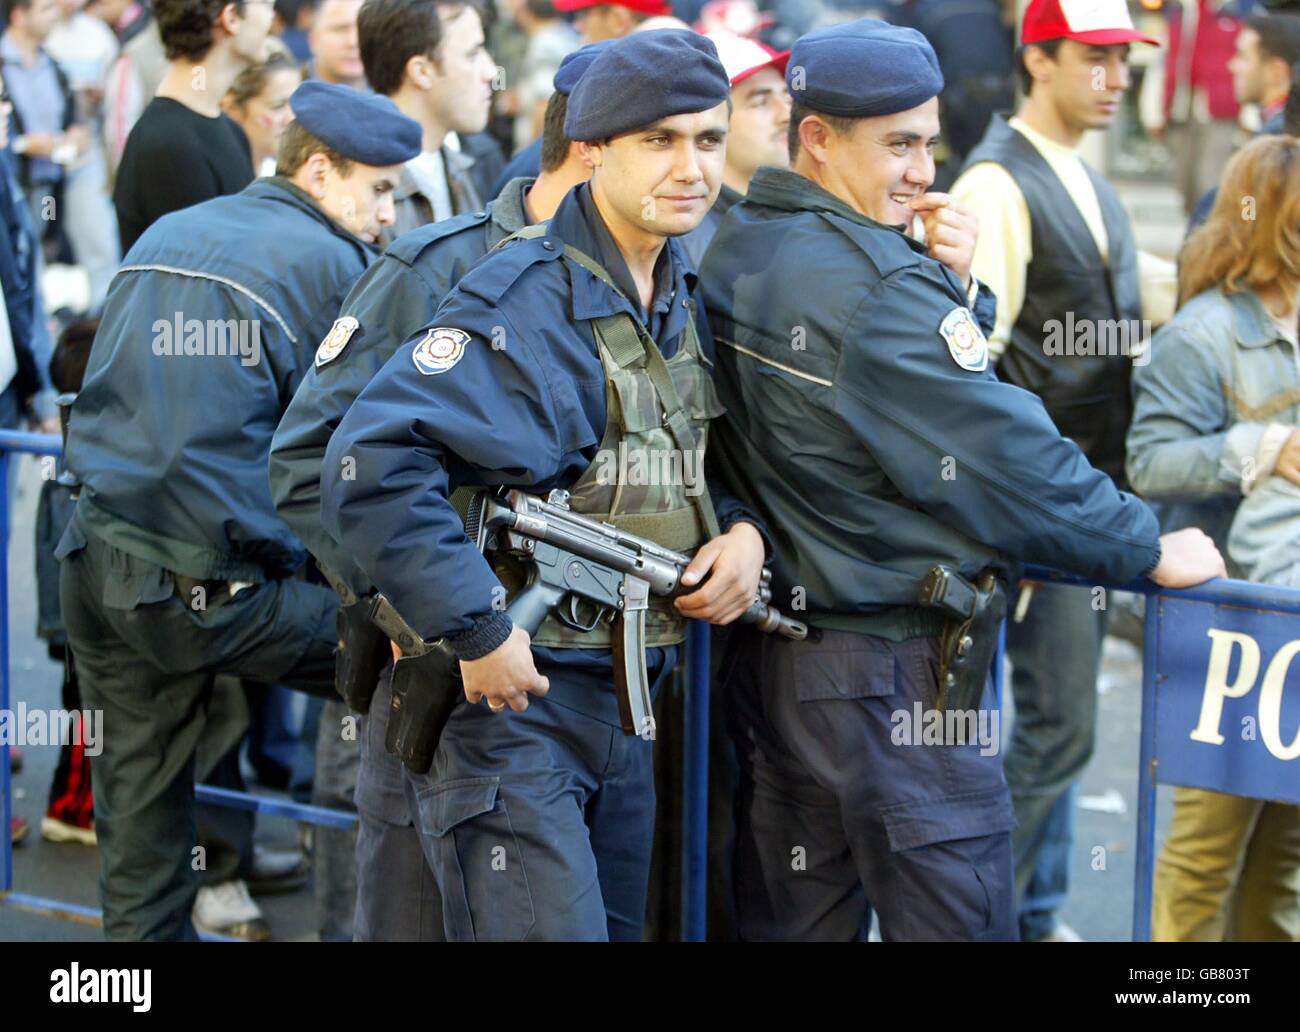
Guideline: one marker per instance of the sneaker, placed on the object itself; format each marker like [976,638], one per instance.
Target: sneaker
[227,909]
[18,829]
[55,830]
[1061,933]
[277,870]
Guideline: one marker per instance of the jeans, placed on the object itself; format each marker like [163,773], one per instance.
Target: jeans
[1055,654]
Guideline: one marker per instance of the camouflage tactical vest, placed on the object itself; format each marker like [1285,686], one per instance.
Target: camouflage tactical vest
[648,475]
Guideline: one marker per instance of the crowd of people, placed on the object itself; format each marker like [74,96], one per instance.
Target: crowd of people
[348,260]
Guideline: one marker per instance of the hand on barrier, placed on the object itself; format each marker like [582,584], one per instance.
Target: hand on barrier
[1187,558]
[506,676]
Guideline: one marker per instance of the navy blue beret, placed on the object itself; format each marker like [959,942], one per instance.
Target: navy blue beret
[863,69]
[639,79]
[574,64]
[365,127]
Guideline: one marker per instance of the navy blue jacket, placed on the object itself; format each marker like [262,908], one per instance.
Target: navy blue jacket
[522,404]
[859,435]
[171,430]
[397,295]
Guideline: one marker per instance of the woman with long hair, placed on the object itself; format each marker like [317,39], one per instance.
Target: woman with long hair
[1215,416]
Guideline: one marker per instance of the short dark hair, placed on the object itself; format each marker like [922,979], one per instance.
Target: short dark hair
[391,32]
[840,124]
[297,145]
[72,355]
[1279,36]
[186,26]
[555,145]
[1050,47]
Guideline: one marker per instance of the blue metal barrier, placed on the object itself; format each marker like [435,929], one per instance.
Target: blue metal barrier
[12,441]
[1182,675]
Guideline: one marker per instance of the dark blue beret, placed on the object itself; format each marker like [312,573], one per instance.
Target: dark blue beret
[863,69]
[639,79]
[575,64]
[365,127]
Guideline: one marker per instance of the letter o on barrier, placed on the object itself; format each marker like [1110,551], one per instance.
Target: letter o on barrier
[1270,704]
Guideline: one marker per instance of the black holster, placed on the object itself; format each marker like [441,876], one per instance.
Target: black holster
[426,689]
[363,652]
[973,619]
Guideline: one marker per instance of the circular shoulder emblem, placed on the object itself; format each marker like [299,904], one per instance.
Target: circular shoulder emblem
[966,341]
[336,340]
[442,348]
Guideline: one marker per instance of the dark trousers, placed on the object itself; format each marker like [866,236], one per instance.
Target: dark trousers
[397,896]
[837,808]
[147,661]
[539,825]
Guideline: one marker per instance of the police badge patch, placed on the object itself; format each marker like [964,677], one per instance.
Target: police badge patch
[442,348]
[336,340]
[966,341]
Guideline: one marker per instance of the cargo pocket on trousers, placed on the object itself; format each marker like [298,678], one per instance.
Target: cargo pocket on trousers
[953,859]
[841,666]
[479,865]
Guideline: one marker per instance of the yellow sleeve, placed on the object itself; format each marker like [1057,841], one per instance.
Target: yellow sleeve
[1004,248]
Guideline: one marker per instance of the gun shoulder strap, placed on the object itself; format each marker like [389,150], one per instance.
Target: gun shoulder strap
[629,343]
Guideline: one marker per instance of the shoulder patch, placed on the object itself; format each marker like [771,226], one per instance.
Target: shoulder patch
[442,348]
[966,341]
[336,340]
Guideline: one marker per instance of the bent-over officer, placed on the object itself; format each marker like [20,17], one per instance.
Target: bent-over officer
[397,899]
[867,428]
[538,821]
[175,565]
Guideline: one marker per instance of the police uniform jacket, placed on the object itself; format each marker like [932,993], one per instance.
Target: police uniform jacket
[521,403]
[866,425]
[207,331]
[396,296]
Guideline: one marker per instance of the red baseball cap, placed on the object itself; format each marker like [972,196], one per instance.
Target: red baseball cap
[742,56]
[650,7]
[1101,22]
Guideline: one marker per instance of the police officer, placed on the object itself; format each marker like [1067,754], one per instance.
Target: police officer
[175,565]
[868,430]
[538,822]
[396,896]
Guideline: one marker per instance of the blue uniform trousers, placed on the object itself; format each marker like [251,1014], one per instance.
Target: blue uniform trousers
[837,808]
[397,897]
[539,825]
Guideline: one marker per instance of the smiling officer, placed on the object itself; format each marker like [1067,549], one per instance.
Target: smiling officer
[865,426]
[538,822]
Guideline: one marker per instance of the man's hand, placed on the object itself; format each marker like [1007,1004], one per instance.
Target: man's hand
[950,232]
[506,676]
[1187,558]
[734,564]
[1288,459]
